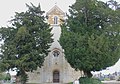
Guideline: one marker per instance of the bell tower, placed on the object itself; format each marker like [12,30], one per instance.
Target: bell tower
[55,16]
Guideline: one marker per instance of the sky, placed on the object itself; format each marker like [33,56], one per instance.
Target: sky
[9,7]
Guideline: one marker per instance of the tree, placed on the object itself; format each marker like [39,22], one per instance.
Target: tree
[26,42]
[91,36]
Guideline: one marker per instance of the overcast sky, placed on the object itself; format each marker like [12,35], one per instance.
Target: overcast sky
[9,7]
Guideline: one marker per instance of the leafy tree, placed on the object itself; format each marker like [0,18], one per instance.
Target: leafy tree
[91,36]
[26,42]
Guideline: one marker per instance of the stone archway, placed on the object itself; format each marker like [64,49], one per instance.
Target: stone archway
[56,76]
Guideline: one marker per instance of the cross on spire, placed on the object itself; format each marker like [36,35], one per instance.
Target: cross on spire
[55,3]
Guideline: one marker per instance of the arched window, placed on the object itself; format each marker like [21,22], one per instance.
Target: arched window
[56,76]
[55,20]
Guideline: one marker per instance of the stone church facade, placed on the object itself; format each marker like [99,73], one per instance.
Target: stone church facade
[55,68]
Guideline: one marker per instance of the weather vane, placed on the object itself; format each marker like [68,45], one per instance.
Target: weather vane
[55,2]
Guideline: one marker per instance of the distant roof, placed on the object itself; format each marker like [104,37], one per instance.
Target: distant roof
[55,8]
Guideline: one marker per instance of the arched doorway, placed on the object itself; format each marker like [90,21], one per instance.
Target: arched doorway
[56,76]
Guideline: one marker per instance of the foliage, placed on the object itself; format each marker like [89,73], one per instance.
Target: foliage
[2,76]
[70,83]
[91,36]
[23,76]
[7,77]
[26,42]
[89,81]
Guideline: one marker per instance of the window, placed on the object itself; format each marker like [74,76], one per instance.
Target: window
[56,53]
[55,20]
[56,77]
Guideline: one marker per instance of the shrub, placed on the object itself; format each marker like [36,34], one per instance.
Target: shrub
[7,77]
[2,77]
[70,83]
[85,80]
[118,78]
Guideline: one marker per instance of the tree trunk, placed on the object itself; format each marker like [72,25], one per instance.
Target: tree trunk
[23,76]
[88,74]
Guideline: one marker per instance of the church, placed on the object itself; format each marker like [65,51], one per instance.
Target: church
[55,69]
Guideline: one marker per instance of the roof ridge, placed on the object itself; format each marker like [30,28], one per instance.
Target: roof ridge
[54,8]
